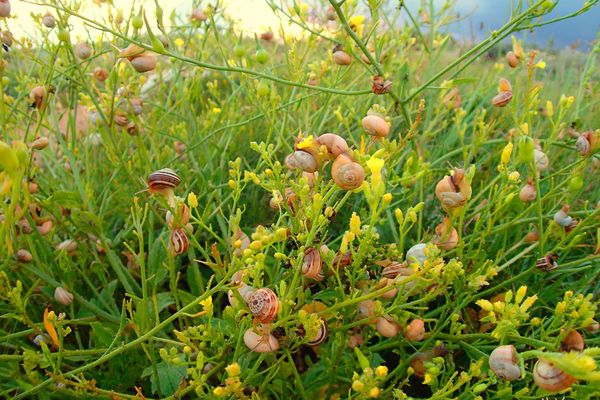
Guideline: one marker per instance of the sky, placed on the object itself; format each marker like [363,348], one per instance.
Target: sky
[256,16]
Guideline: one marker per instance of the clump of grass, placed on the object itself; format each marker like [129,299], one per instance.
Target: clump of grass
[159,243]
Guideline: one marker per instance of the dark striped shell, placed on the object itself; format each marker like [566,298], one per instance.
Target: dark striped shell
[264,305]
[394,269]
[321,334]
[313,264]
[550,378]
[547,263]
[179,241]
[162,179]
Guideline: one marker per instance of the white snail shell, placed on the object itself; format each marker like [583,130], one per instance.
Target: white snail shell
[260,343]
[550,378]
[541,160]
[417,254]
[503,361]
[63,296]
[562,217]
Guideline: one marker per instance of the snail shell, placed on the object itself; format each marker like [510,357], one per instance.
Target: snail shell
[366,308]
[163,179]
[335,144]
[303,160]
[340,57]
[502,99]
[83,51]
[321,335]
[37,96]
[131,51]
[24,255]
[547,263]
[453,190]
[415,331]
[312,264]
[48,20]
[512,60]
[244,290]
[504,85]
[198,15]
[503,361]
[562,216]
[541,160]
[375,125]
[40,143]
[383,282]
[342,260]
[63,296]
[527,193]
[446,236]
[550,378]
[260,343]
[4,8]
[586,142]
[416,254]
[100,74]
[346,173]
[179,241]
[144,62]
[264,305]
[387,327]
[572,342]
[68,245]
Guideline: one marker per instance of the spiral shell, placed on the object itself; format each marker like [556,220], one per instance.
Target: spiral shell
[572,342]
[335,144]
[340,57]
[527,193]
[503,361]
[346,173]
[100,74]
[512,60]
[502,99]
[562,217]
[24,255]
[40,143]
[83,51]
[547,263]
[63,296]
[375,125]
[258,343]
[163,179]
[37,96]
[550,378]
[446,237]
[264,305]
[387,327]
[342,260]
[48,20]
[302,160]
[144,62]
[380,85]
[586,143]
[453,190]
[541,160]
[415,330]
[417,254]
[312,264]
[179,241]
[321,335]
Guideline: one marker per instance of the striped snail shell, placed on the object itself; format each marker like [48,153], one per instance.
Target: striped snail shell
[264,305]
[502,98]
[179,241]
[395,269]
[503,361]
[163,179]
[346,173]
[562,216]
[547,263]
[312,264]
[321,335]
[550,378]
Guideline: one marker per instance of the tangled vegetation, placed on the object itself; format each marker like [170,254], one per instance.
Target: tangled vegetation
[369,209]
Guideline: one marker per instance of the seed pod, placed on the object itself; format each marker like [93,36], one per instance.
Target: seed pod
[312,264]
[260,343]
[503,361]
[100,74]
[63,296]
[24,255]
[415,331]
[179,241]
[346,173]
[335,144]
[387,327]
[527,192]
[40,143]
[375,125]
[4,8]
[512,59]
[48,20]
[453,190]
[83,51]
[562,216]
[541,160]
[547,263]
[321,334]
[502,99]
[380,85]
[550,378]
[572,342]
[163,180]
[264,305]
[446,236]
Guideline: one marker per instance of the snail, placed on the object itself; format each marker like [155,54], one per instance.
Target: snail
[502,99]
[302,160]
[532,237]
[446,237]
[386,326]
[550,378]
[83,51]
[340,57]
[366,308]
[512,60]
[40,143]
[342,260]
[48,20]
[140,59]
[68,245]
[541,160]
[260,343]
[264,305]
[179,241]
[417,254]
[321,334]
[453,190]
[572,342]
[267,36]
[37,96]
[547,263]
[163,182]
[63,296]
[503,361]
[335,144]
[311,178]
[527,192]
[383,282]
[100,74]
[415,330]
[586,143]
[375,125]
[562,216]
[346,173]
[312,264]
[182,214]
[198,15]
[45,227]
[244,290]
[4,8]
[380,85]
[24,255]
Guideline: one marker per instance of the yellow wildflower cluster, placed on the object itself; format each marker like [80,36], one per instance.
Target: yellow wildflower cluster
[233,384]
[509,314]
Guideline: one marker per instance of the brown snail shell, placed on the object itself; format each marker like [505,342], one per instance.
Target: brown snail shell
[24,255]
[302,160]
[572,342]
[550,378]
[547,263]
[131,51]
[264,305]
[504,85]
[512,60]
[366,308]
[321,335]
[83,51]
[503,361]
[383,282]
[179,241]
[375,125]
[446,236]
[387,327]
[100,74]
[335,144]
[312,264]
[502,99]
[342,260]
[527,193]
[380,85]
[346,173]
[48,20]
[586,143]
[258,343]
[163,179]
[541,160]
[144,62]
[415,330]
[40,143]
[453,190]
[340,57]
[4,8]
[198,15]
[37,96]
[68,245]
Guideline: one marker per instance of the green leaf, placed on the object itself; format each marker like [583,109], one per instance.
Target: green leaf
[102,334]
[169,377]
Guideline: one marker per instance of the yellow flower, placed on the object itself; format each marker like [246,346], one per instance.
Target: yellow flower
[375,165]
[541,65]
[521,292]
[216,110]
[355,224]
[549,108]
[207,304]
[233,369]
[485,304]
[381,371]
[399,216]
[387,198]
[179,42]
[306,143]
[428,378]
[374,392]
[506,152]
[358,386]
[219,391]
[528,303]
[356,22]
[514,176]
[192,200]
